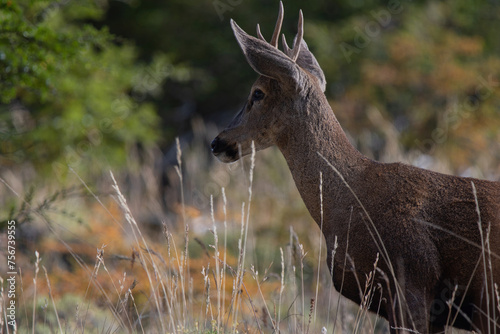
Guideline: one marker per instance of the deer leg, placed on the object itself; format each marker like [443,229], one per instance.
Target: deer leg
[436,329]
[486,320]
[418,306]
[412,315]
[397,316]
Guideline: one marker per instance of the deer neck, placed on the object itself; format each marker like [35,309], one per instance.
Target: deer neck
[314,134]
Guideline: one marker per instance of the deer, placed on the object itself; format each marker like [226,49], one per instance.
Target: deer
[437,235]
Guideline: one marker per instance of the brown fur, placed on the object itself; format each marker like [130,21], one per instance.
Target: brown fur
[423,224]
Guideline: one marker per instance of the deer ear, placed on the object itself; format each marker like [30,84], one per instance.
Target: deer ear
[308,62]
[265,59]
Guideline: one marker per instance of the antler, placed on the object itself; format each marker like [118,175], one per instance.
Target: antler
[294,52]
[277,28]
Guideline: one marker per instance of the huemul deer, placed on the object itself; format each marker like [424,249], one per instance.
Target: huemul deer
[438,236]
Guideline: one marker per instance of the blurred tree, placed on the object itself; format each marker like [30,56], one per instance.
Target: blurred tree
[72,94]
[429,68]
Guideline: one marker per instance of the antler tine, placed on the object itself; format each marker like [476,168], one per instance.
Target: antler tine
[277,28]
[286,49]
[259,34]
[298,38]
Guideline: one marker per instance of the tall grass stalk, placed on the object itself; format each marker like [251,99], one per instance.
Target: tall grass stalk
[223,278]
[139,240]
[256,278]
[81,263]
[250,184]
[244,230]
[282,287]
[334,250]
[184,274]
[490,267]
[100,261]
[237,282]
[123,302]
[498,297]
[294,289]
[343,271]
[93,282]
[172,300]
[37,269]
[290,269]
[22,297]
[302,256]
[98,200]
[483,256]
[366,300]
[218,278]
[450,302]
[320,237]
[129,292]
[206,281]
[121,282]
[52,300]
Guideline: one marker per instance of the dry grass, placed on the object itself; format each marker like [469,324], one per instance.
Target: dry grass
[240,254]
[213,270]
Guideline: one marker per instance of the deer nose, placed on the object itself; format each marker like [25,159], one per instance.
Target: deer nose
[216,145]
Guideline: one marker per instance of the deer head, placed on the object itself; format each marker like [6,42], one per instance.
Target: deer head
[285,81]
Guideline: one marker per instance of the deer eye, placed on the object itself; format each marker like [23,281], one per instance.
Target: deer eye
[257,95]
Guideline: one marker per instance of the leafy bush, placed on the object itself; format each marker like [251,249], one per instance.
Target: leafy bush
[72,94]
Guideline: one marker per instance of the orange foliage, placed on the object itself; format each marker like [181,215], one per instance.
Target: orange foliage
[102,279]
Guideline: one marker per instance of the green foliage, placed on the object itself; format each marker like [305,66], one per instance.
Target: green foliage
[66,89]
